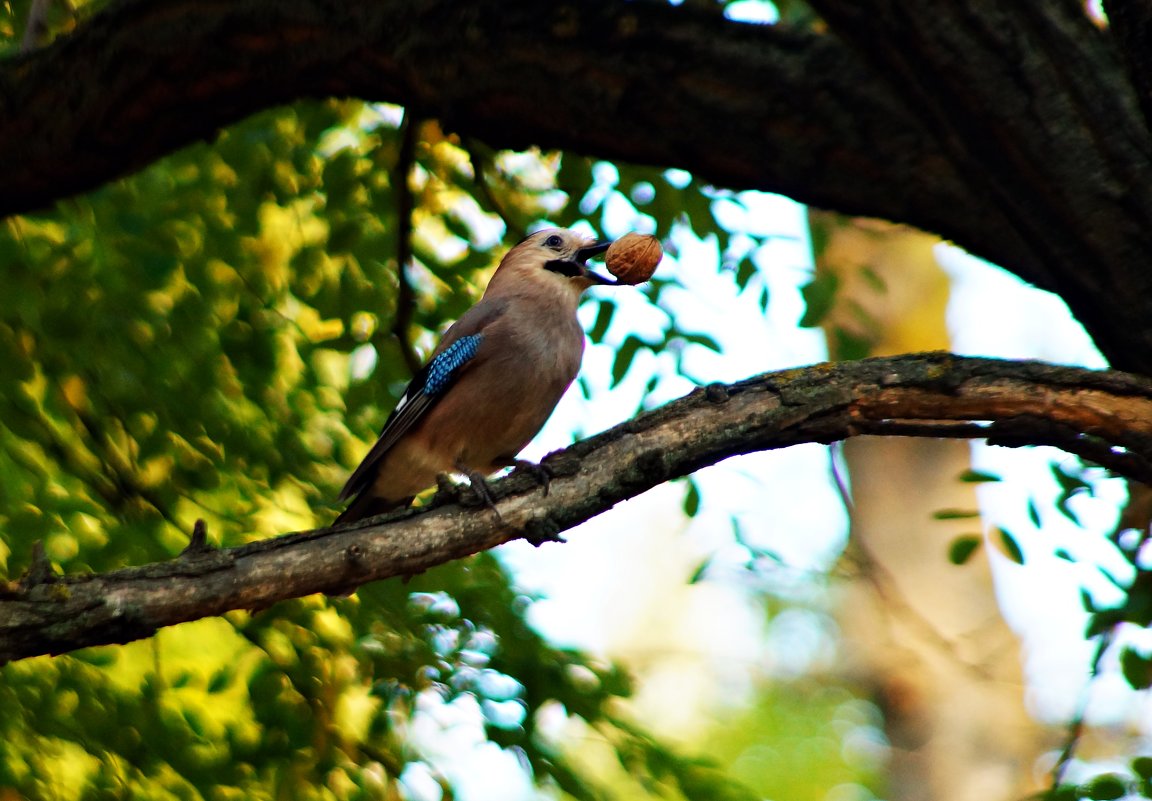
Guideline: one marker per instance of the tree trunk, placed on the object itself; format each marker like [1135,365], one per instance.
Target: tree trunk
[923,634]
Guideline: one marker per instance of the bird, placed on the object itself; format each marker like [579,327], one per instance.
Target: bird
[492,382]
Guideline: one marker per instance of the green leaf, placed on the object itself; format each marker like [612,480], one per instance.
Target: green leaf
[962,548]
[955,514]
[1064,792]
[692,499]
[97,657]
[820,233]
[699,780]
[698,573]
[1010,546]
[624,356]
[744,272]
[978,477]
[1138,606]
[344,236]
[1033,513]
[819,296]
[603,320]
[848,345]
[1107,787]
[1142,767]
[194,721]
[220,680]
[182,680]
[697,206]
[1137,668]
[1070,484]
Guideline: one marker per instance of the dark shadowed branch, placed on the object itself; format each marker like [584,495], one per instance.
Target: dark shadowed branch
[1106,416]
[1014,129]
[1131,22]
[405,294]
[641,82]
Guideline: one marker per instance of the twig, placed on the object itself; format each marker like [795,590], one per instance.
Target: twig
[1134,516]
[489,193]
[405,295]
[1076,724]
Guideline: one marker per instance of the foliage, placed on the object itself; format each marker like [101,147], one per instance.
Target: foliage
[1135,781]
[803,728]
[212,338]
[215,338]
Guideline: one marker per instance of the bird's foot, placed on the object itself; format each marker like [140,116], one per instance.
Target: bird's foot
[542,473]
[483,491]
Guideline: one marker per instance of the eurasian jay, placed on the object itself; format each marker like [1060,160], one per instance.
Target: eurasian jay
[492,382]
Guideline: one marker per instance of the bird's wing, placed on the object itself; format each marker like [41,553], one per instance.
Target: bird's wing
[457,353]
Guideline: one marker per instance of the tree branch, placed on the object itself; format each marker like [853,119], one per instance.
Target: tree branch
[405,294]
[1014,93]
[933,394]
[1131,21]
[744,106]
[1011,128]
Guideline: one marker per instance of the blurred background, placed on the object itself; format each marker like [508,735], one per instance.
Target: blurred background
[221,336]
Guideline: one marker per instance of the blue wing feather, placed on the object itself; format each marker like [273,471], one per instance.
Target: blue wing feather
[443,369]
[425,387]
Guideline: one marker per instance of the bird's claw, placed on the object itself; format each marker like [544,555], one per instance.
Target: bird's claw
[483,491]
[541,472]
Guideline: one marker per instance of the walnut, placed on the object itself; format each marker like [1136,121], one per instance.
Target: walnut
[633,258]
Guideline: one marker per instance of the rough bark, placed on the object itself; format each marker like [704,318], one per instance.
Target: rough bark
[1104,416]
[1031,100]
[1131,23]
[641,82]
[1014,129]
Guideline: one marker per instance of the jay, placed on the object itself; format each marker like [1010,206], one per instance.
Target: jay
[492,382]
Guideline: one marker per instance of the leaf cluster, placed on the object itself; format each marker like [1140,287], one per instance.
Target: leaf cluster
[215,338]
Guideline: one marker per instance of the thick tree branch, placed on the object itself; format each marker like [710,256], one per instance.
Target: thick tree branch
[1131,21]
[1012,128]
[1015,95]
[744,106]
[1104,415]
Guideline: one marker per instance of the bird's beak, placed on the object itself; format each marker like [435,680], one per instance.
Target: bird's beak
[588,251]
[583,254]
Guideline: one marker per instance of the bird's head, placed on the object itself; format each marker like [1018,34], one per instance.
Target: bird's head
[554,257]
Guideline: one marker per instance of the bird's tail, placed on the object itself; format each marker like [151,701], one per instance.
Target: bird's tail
[367,505]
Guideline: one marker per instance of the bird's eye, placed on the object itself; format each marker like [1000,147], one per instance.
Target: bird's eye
[555,242]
